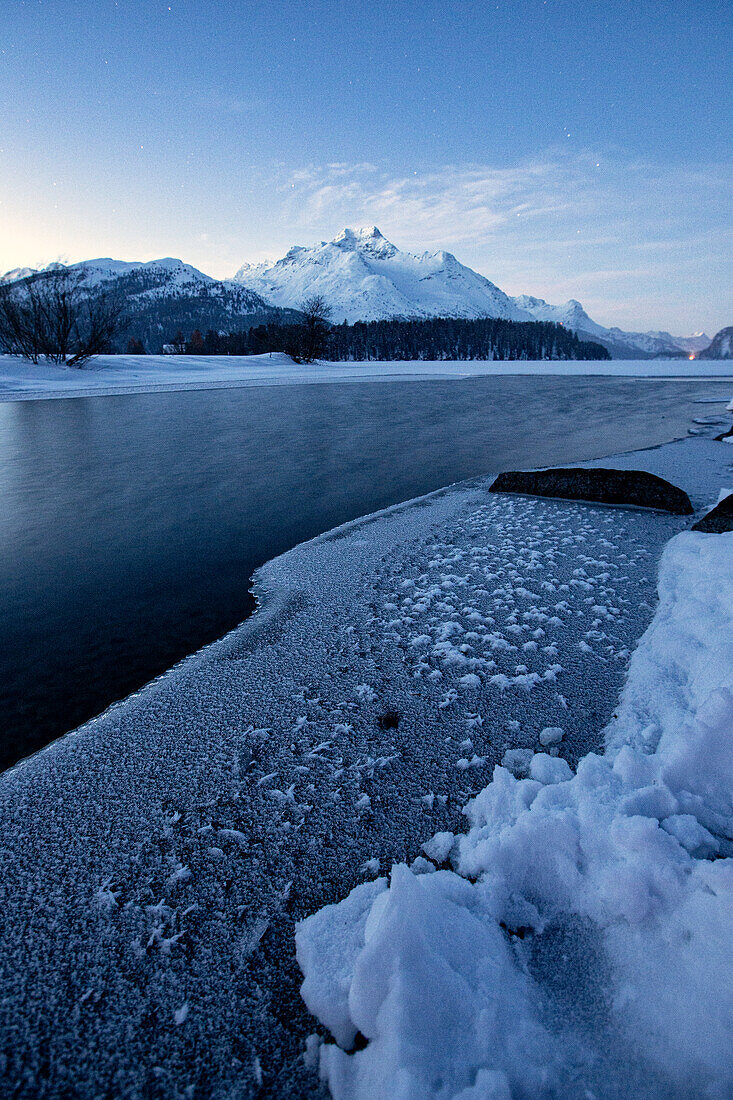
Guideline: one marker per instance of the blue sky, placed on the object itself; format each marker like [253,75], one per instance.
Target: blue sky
[563,148]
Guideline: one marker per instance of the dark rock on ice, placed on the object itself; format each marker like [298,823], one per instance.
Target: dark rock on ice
[390,720]
[719,520]
[636,487]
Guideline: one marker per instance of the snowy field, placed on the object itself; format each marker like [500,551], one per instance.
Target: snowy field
[112,374]
[574,938]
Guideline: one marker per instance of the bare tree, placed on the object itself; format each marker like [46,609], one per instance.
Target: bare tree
[310,336]
[54,316]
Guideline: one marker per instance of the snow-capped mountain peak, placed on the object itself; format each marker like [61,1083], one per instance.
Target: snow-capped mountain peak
[17,274]
[365,277]
[368,239]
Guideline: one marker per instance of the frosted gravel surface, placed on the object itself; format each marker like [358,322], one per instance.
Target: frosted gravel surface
[578,946]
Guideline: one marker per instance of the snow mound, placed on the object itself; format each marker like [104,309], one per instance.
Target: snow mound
[581,945]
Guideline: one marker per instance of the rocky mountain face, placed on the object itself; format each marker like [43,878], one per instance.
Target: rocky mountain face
[721,346]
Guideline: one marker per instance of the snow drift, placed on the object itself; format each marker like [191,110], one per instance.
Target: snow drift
[580,945]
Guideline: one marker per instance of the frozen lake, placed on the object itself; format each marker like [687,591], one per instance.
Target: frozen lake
[130,524]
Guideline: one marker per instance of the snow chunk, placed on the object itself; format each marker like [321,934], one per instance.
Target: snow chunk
[651,801]
[434,989]
[691,835]
[422,866]
[439,847]
[549,769]
[551,735]
[328,945]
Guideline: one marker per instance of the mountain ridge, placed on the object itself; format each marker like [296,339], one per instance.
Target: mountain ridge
[165,296]
[361,275]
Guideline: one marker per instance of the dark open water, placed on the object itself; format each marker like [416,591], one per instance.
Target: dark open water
[130,526]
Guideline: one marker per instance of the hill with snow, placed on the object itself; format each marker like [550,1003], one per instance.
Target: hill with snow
[17,274]
[167,295]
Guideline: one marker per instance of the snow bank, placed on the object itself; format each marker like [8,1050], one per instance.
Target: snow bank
[116,374]
[581,946]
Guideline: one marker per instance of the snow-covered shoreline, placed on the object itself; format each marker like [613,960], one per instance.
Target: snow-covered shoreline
[155,862]
[578,943]
[452,976]
[110,375]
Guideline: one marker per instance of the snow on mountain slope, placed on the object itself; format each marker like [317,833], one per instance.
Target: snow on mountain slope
[697,342]
[571,314]
[167,272]
[721,346]
[163,277]
[167,278]
[16,274]
[364,277]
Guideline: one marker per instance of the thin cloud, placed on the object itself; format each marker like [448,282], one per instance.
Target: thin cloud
[456,202]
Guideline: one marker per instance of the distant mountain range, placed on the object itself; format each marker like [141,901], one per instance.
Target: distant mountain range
[361,275]
[165,296]
[621,345]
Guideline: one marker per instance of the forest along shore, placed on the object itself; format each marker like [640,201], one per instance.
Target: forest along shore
[148,937]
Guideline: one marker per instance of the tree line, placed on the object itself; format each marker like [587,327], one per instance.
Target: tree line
[439,338]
